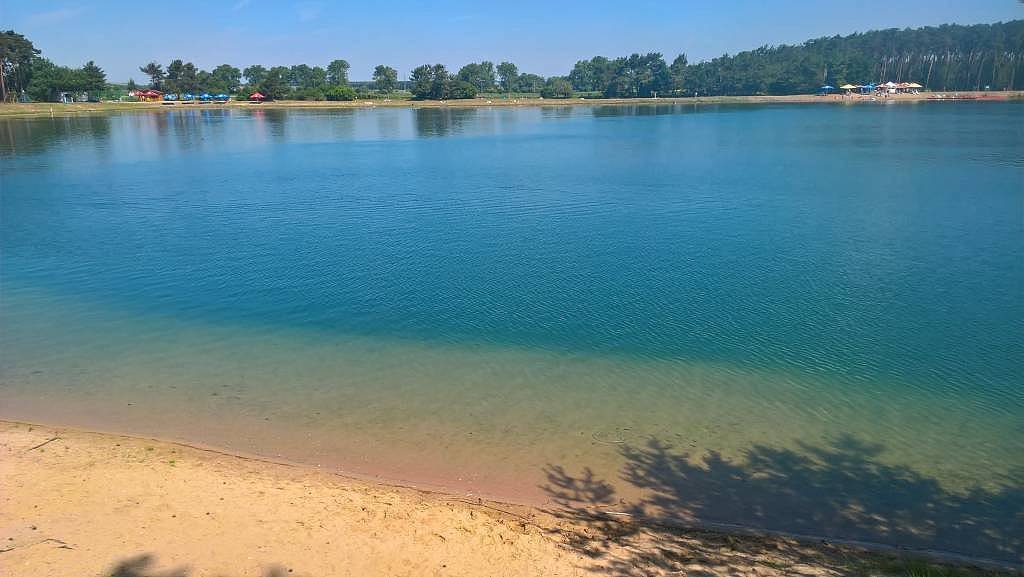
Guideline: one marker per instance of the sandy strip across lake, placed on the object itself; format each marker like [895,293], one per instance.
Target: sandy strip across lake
[76,503]
[15,110]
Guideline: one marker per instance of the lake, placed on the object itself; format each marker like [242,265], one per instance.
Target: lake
[800,318]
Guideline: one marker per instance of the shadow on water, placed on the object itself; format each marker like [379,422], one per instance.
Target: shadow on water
[145,565]
[838,491]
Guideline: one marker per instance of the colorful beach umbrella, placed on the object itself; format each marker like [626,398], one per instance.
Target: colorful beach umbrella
[256,96]
[848,86]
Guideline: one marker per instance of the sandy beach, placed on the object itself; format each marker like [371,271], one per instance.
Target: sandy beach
[8,110]
[77,503]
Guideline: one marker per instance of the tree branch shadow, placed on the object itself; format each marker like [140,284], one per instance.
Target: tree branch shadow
[144,565]
[839,491]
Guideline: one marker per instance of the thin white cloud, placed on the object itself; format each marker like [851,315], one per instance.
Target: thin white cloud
[55,16]
[240,5]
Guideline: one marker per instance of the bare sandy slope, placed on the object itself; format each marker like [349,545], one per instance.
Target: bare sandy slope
[80,504]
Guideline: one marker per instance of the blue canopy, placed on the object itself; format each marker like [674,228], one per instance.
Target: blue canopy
[205,96]
[170,96]
[827,87]
[187,96]
[222,97]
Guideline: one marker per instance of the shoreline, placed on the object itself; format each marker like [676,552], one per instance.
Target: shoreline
[51,471]
[30,110]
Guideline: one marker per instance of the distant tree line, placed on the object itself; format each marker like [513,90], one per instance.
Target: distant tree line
[433,82]
[24,73]
[298,82]
[949,57]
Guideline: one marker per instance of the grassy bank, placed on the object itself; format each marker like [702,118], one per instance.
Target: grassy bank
[54,109]
[77,503]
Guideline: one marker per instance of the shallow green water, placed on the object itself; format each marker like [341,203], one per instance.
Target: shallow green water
[821,306]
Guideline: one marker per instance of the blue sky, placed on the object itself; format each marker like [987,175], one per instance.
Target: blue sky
[541,37]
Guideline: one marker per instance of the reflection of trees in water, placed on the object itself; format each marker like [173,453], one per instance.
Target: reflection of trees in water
[196,128]
[442,121]
[840,491]
[557,112]
[35,135]
[327,125]
[193,128]
[274,121]
[165,130]
[388,122]
[642,109]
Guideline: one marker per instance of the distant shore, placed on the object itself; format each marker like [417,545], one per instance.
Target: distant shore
[55,109]
[81,503]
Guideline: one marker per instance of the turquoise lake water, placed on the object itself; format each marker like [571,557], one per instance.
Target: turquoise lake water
[806,318]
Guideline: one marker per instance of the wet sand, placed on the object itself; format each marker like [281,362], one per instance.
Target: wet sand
[76,503]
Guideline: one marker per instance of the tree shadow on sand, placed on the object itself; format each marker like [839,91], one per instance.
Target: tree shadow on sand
[838,491]
[145,565]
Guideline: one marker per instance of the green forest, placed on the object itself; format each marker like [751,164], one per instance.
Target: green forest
[24,73]
[947,58]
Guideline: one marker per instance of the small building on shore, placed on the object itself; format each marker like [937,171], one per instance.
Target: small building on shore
[147,95]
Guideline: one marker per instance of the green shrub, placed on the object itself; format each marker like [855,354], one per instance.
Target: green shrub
[462,90]
[335,93]
[557,88]
[308,94]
